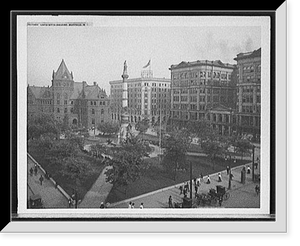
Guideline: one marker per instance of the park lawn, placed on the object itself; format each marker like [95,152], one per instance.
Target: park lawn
[67,184]
[156,177]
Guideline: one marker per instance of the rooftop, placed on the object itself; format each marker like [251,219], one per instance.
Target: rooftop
[252,54]
[217,63]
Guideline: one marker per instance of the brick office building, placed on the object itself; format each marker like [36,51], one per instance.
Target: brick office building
[200,87]
[249,92]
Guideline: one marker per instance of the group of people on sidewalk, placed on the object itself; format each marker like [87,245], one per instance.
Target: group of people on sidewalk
[131,205]
[35,171]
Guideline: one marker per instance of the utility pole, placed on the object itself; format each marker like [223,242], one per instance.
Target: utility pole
[191,178]
[159,131]
[229,180]
[253,151]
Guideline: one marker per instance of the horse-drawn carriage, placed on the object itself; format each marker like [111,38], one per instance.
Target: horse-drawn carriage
[212,197]
[205,199]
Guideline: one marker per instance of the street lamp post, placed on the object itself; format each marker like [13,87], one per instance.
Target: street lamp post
[253,152]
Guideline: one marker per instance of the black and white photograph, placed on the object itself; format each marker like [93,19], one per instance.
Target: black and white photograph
[145,117]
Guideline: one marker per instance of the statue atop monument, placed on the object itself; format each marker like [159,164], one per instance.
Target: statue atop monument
[125,74]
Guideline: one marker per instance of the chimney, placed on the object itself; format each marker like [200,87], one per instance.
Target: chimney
[83,85]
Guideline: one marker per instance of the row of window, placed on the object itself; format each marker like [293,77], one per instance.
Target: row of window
[201,74]
[62,84]
[251,68]
[250,99]
[194,98]
[188,106]
[94,103]
[251,109]
[186,83]
[250,89]
[135,85]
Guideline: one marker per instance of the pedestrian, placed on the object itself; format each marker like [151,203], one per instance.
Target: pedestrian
[220,200]
[142,206]
[70,202]
[102,205]
[129,205]
[208,180]
[248,170]
[35,169]
[196,190]
[132,205]
[227,169]
[31,171]
[170,202]
[257,189]
[198,183]
[41,179]
[219,177]
[201,177]
[188,186]
[181,189]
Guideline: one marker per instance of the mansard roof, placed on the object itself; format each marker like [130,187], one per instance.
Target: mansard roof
[62,72]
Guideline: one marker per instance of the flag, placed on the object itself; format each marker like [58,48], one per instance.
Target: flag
[148,64]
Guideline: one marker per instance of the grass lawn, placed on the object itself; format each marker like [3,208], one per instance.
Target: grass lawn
[157,178]
[67,184]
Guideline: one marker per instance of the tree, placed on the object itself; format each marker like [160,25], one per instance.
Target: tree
[176,145]
[212,148]
[127,163]
[108,128]
[142,126]
[76,168]
[62,149]
[242,146]
[41,124]
[201,129]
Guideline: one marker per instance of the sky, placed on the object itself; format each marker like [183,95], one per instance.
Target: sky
[97,53]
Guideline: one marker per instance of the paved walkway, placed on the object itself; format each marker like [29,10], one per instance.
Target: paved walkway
[51,197]
[97,193]
[241,195]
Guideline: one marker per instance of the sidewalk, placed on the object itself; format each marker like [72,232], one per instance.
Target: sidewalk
[51,197]
[97,193]
[241,195]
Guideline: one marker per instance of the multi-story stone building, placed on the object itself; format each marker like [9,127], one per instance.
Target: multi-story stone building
[77,103]
[249,92]
[148,97]
[199,89]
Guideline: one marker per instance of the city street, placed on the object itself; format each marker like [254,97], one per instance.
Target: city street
[241,195]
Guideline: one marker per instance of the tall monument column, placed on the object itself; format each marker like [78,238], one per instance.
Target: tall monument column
[124,112]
